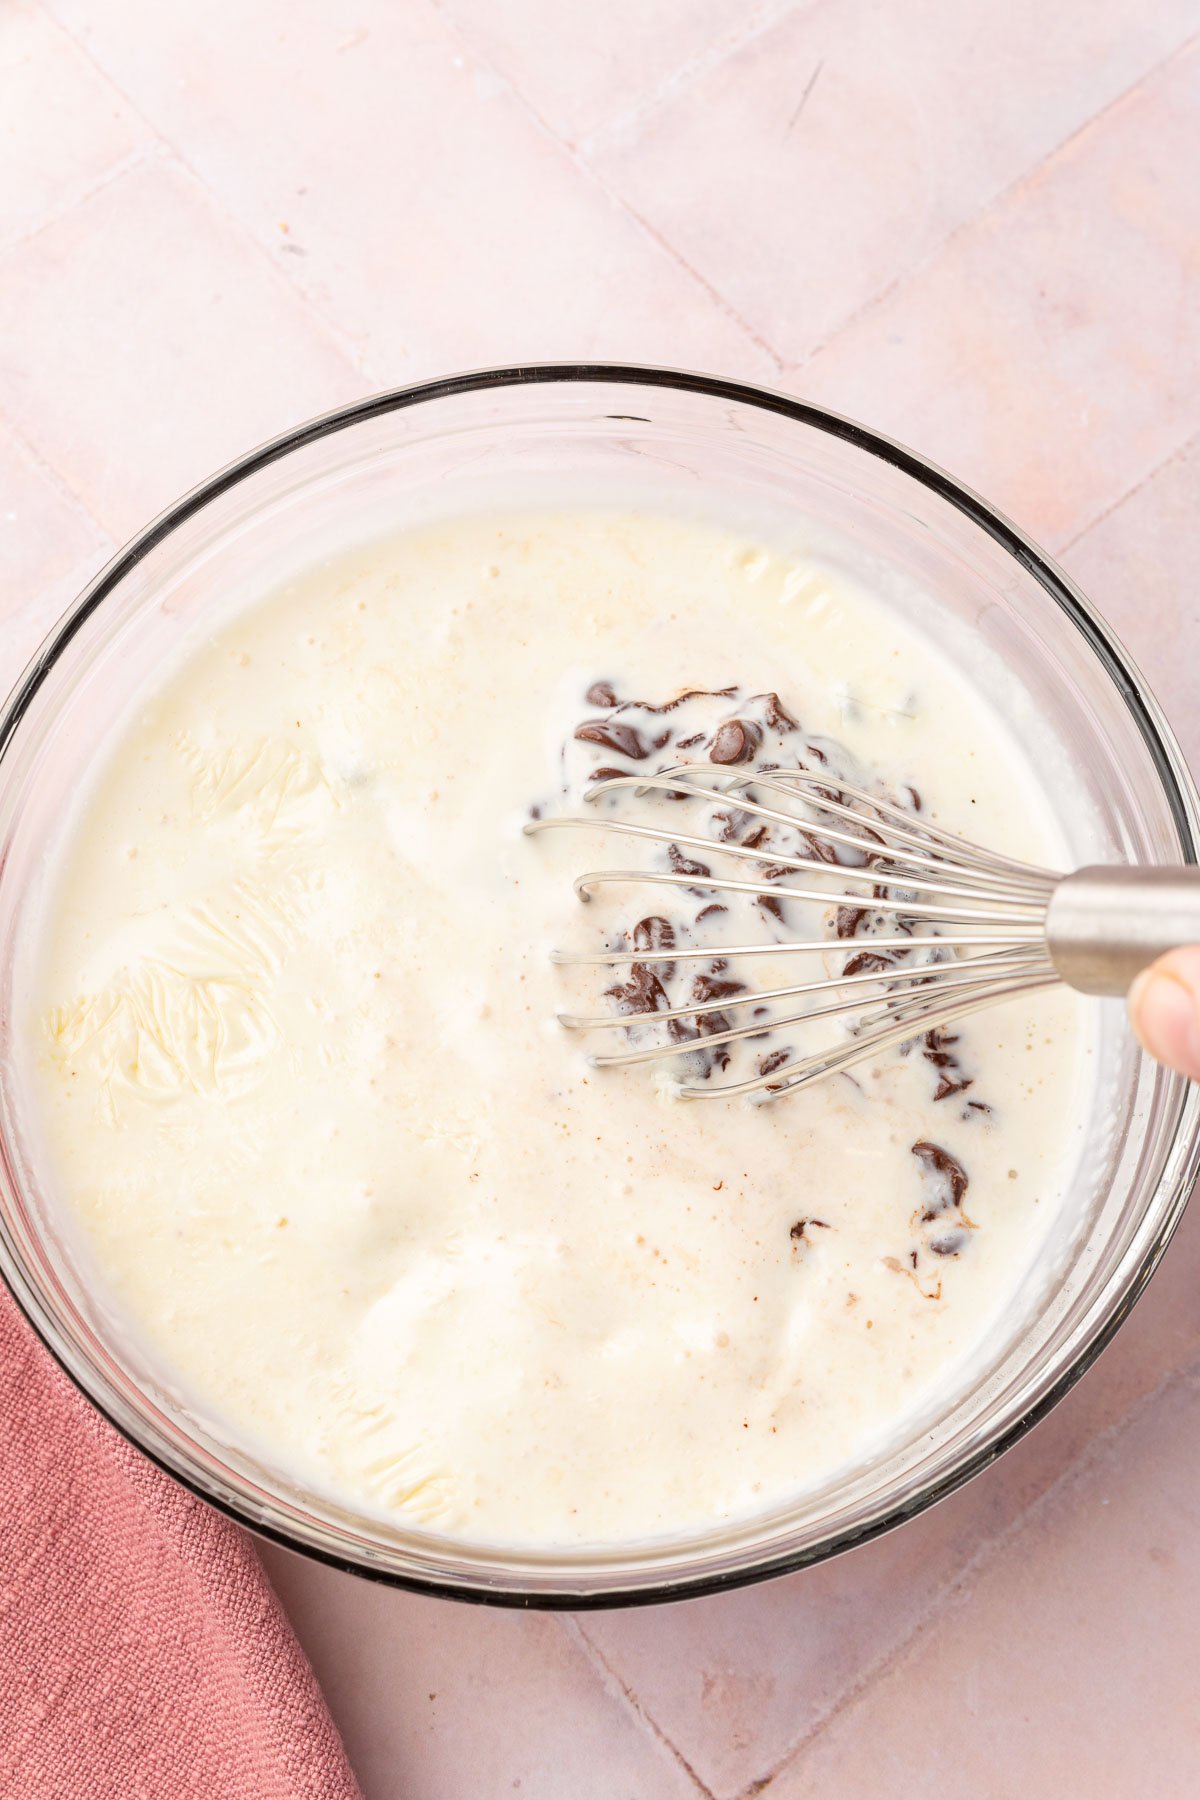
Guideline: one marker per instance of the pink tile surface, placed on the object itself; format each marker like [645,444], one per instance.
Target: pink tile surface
[471,1701]
[140,389]
[44,532]
[405,190]
[839,150]
[586,67]
[1052,392]
[1138,563]
[49,547]
[1095,1605]
[63,127]
[976,227]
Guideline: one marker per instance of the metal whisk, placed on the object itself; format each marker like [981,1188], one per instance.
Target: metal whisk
[967,928]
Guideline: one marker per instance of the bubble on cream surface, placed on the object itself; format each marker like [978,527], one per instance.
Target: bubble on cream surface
[300,1085]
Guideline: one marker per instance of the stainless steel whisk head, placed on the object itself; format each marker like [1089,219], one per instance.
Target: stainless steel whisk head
[964,927]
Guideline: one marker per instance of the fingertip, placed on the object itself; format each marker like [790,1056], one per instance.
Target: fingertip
[1164,1009]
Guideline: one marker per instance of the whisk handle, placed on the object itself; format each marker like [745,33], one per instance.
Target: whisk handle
[1105,925]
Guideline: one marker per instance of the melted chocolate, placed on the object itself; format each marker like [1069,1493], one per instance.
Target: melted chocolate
[670,706]
[799,1230]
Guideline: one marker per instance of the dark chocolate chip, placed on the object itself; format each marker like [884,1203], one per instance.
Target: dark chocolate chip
[777,716]
[767,1065]
[717,1056]
[643,992]
[868,962]
[705,988]
[731,823]
[683,865]
[734,741]
[651,937]
[626,740]
[848,920]
[940,1162]
[818,849]
[602,693]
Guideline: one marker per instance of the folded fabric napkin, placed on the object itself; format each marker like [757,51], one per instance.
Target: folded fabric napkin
[143,1655]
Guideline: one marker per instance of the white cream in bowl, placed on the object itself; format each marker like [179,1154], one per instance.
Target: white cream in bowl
[300,1084]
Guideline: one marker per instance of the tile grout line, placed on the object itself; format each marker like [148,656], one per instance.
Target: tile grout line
[56,479]
[583,168]
[81,194]
[1189,443]
[339,338]
[579,155]
[1001,198]
[611,1680]
[608,131]
[953,1595]
[677,256]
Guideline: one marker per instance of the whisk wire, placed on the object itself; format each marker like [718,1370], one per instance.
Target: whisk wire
[819,1064]
[756,1028]
[884,870]
[972,923]
[897,978]
[1028,916]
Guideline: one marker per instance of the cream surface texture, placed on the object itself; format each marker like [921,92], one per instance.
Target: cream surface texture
[303,1089]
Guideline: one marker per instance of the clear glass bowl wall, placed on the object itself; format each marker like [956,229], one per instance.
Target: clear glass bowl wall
[530,437]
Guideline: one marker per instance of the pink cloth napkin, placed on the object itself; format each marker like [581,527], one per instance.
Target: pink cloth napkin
[143,1655]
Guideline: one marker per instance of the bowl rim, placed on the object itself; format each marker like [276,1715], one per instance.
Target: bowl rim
[1108,650]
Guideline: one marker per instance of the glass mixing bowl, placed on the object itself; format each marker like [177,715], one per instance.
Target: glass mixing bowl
[530,435]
